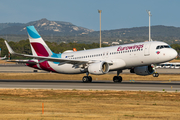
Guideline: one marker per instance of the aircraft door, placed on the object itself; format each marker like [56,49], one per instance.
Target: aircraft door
[147,49]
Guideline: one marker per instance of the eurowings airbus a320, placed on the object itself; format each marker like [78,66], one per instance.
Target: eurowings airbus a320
[138,57]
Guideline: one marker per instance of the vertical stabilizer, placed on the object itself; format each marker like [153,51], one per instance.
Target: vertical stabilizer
[38,46]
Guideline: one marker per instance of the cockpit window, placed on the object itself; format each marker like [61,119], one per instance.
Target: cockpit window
[167,46]
[162,46]
[158,47]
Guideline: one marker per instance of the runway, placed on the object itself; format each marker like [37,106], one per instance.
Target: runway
[95,85]
[25,69]
[160,86]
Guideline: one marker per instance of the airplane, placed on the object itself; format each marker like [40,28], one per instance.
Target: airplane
[138,57]
[2,58]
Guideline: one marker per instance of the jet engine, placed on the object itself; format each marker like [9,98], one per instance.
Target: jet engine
[143,70]
[98,68]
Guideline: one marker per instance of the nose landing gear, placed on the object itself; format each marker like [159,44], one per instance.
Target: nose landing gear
[155,74]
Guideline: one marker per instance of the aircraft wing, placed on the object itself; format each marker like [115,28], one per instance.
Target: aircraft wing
[61,60]
[42,58]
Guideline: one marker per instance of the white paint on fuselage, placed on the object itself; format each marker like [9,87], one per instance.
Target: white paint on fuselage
[121,59]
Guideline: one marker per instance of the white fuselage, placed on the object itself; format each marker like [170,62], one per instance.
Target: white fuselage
[122,56]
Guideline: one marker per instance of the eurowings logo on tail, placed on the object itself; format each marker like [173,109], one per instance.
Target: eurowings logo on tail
[38,46]
[32,32]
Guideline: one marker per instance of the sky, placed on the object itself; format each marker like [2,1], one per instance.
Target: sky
[116,14]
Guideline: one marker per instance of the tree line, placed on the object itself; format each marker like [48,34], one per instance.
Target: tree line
[23,46]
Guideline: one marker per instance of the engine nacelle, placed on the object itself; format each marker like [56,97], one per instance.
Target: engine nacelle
[144,70]
[98,68]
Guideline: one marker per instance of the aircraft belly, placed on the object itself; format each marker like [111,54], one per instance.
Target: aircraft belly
[66,68]
[117,64]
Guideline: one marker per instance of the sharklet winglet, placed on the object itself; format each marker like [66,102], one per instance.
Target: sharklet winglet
[9,48]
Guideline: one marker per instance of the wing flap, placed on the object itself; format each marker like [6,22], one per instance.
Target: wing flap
[22,61]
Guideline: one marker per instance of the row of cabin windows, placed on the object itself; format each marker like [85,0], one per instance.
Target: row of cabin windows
[111,53]
[127,51]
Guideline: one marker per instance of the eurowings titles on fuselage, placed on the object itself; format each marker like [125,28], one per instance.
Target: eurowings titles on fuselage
[120,48]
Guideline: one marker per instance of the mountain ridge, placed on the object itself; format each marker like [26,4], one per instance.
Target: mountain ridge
[157,30]
[43,26]
[60,31]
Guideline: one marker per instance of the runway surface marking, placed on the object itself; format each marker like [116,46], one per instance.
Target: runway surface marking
[96,85]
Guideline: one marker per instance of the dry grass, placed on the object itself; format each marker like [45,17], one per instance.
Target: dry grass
[55,76]
[175,60]
[5,62]
[26,104]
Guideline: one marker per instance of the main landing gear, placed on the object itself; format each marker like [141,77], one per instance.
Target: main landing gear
[117,79]
[87,79]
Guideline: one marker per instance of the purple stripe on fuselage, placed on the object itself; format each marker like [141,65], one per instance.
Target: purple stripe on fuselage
[40,49]
[45,66]
[33,66]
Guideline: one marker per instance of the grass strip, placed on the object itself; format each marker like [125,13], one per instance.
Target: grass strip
[55,76]
[26,104]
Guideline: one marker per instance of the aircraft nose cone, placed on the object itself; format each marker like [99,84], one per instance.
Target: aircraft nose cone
[173,53]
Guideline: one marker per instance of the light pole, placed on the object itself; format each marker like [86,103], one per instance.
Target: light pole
[149,13]
[99,11]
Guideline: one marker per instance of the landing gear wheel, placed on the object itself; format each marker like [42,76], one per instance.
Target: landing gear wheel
[117,79]
[87,79]
[155,74]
